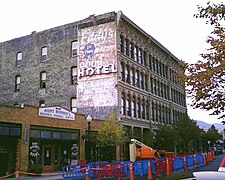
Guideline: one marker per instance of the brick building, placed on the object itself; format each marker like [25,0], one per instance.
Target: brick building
[98,65]
[46,136]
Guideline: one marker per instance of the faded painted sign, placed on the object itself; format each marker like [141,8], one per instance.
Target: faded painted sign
[97,52]
[97,66]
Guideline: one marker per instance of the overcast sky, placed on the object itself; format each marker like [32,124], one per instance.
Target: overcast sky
[171,22]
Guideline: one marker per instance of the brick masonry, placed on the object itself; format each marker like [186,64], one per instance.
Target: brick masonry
[28,116]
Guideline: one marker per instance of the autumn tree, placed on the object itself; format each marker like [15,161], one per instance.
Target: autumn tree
[109,136]
[205,79]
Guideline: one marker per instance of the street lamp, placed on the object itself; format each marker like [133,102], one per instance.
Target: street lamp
[89,119]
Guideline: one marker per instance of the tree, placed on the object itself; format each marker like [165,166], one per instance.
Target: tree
[188,132]
[213,135]
[110,135]
[166,138]
[206,78]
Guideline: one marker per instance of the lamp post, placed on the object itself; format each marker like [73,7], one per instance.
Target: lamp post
[89,119]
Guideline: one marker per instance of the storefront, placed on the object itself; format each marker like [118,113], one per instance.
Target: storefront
[9,137]
[52,148]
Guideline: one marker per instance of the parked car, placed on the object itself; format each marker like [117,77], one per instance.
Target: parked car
[219,149]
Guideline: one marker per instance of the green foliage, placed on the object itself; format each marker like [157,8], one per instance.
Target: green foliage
[206,78]
[213,135]
[111,133]
[166,138]
[185,136]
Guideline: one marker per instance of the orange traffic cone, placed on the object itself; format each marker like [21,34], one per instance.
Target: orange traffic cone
[185,164]
[149,171]
[167,166]
[131,172]
[86,174]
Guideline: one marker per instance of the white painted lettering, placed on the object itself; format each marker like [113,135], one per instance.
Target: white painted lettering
[105,69]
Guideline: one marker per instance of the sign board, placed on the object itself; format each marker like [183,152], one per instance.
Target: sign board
[56,112]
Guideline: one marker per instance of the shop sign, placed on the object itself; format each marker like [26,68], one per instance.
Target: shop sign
[74,150]
[56,112]
[34,148]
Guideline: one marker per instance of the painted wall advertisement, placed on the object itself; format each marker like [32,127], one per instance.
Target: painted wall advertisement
[97,66]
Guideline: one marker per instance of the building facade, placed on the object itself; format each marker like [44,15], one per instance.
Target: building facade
[98,65]
[41,137]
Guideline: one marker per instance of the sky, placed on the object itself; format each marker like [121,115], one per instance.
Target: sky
[170,22]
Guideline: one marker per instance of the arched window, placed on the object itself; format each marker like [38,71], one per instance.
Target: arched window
[123,107]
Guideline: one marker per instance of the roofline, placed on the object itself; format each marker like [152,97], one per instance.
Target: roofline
[124,17]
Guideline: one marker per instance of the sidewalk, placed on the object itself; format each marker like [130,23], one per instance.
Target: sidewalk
[44,176]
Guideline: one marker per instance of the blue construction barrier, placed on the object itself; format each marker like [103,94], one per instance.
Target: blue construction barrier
[140,168]
[190,162]
[178,164]
[199,159]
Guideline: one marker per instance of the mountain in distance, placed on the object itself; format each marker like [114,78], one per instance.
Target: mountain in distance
[204,125]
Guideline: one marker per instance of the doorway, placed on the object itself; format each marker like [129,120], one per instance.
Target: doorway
[48,158]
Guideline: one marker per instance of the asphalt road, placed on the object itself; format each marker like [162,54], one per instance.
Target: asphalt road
[212,166]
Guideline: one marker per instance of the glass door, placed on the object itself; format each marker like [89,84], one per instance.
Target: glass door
[48,157]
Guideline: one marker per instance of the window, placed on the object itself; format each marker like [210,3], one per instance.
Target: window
[126,47]
[121,43]
[122,74]
[127,74]
[74,75]
[73,104]
[41,103]
[123,107]
[43,80]
[18,59]
[17,83]
[133,108]
[74,45]
[43,53]
[139,108]
[128,106]
[132,77]
[142,80]
[143,109]
[131,50]
[140,56]
[137,79]
[136,53]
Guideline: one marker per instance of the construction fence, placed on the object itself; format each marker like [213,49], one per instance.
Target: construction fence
[152,168]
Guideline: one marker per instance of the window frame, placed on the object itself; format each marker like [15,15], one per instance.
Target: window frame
[73,105]
[17,83]
[44,53]
[74,47]
[43,80]
[74,73]
[19,57]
